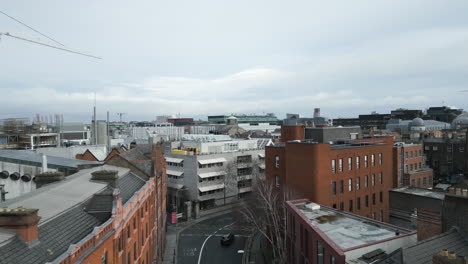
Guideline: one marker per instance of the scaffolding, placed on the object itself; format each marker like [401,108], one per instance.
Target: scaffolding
[21,133]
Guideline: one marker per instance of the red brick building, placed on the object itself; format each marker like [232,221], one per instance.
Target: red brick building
[353,176]
[409,166]
[105,214]
[318,234]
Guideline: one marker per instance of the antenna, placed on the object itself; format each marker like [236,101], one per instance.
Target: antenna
[120,115]
[48,45]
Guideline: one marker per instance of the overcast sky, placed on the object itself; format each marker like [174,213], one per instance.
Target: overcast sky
[201,58]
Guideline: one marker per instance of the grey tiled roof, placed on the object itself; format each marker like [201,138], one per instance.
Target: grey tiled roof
[55,236]
[128,185]
[423,251]
[146,166]
[36,159]
[134,154]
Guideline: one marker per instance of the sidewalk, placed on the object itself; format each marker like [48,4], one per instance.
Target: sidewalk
[173,231]
[253,250]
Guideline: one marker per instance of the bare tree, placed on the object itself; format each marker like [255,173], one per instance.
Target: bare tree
[266,212]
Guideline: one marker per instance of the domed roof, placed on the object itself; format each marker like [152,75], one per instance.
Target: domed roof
[461,120]
[232,117]
[417,122]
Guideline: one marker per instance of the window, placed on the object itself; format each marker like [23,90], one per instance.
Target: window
[277,184]
[406,155]
[420,153]
[380,178]
[366,181]
[413,183]
[415,153]
[461,148]
[411,167]
[420,165]
[128,231]
[380,158]
[358,183]
[142,238]
[350,185]
[341,206]
[333,163]
[373,198]
[435,148]
[406,168]
[129,260]
[334,188]
[134,251]
[350,163]
[134,223]
[381,197]
[373,179]
[350,205]
[419,182]
[341,186]
[411,154]
[427,147]
[366,164]
[334,206]
[424,182]
[358,203]
[449,148]
[340,164]
[276,161]
[104,258]
[381,216]
[367,201]
[373,160]
[373,216]
[320,253]
[358,161]
[332,260]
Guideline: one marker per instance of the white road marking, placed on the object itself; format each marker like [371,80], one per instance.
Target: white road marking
[204,242]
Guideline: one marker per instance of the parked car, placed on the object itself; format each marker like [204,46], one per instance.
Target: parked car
[227,240]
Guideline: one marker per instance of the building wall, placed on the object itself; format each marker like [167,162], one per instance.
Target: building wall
[446,157]
[302,241]
[409,164]
[289,133]
[136,229]
[308,173]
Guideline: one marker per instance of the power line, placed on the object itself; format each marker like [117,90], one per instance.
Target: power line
[24,24]
[50,46]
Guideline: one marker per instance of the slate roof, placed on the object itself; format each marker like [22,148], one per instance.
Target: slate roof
[55,237]
[128,185]
[65,220]
[36,159]
[422,252]
[134,154]
[146,166]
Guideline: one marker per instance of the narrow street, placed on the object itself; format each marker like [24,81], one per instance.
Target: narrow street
[200,243]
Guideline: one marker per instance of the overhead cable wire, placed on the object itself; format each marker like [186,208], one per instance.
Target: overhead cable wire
[35,30]
[51,46]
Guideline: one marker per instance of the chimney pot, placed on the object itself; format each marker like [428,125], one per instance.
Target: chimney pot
[444,252]
[22,220]
[452,255]
[109,176]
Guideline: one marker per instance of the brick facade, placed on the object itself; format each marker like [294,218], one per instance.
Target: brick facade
[136,231]
[306,169]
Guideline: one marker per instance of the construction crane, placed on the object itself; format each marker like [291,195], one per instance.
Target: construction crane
[120,115]
[7,34]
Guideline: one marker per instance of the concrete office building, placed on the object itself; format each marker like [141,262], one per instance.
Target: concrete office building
[211,170]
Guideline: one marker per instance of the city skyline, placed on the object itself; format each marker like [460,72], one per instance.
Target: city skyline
[201,58]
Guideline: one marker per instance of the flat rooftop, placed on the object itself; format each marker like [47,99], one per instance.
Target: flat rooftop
[346,230]
[55,198]
[36,159]
[420,192]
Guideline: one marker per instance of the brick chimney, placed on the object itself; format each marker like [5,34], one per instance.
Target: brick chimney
[21,220]
[429,224]
[446,257]
[109,176]
[48,177]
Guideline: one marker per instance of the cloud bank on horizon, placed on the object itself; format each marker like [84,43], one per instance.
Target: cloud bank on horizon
[205,57]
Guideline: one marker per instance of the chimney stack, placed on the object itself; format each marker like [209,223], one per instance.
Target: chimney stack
[48,177]
[21,220]
[44,163]
[109,176]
